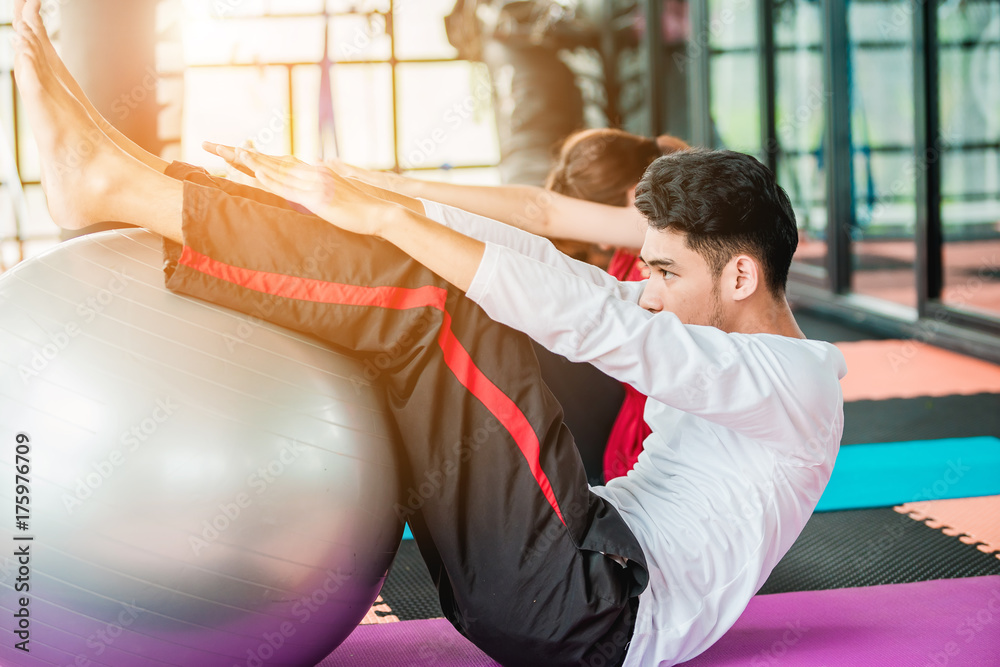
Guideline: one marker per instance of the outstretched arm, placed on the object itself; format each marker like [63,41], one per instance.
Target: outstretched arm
[526,207]
[448,253]
[404,221]
[230,155]
[532,209]
[469,224]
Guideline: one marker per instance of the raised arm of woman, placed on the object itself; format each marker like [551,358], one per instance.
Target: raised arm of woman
[526,207]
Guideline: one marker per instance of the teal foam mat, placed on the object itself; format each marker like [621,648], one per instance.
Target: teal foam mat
[892,473]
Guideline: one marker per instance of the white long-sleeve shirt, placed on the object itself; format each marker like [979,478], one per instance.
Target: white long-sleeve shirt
[745,430]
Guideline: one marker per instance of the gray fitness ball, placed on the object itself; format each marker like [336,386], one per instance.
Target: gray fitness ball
[205,488]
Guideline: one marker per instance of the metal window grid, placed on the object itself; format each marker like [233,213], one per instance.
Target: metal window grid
[392,61]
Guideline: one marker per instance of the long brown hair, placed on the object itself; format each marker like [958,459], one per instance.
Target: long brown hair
[602,165]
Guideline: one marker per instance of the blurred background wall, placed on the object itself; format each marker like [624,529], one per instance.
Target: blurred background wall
[881,118]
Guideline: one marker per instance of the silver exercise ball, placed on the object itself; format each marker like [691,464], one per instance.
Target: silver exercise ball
[203,488]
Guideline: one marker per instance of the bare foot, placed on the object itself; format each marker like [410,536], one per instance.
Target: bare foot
[31,13]
[80,164]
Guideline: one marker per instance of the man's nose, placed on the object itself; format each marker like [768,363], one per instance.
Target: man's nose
[650,300]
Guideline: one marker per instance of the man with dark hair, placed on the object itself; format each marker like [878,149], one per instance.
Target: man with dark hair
[726,204]
[532,564]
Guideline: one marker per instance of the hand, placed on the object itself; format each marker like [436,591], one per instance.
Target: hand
[338,166]
[380,179]
[341,168]
[227,153]
[320,190]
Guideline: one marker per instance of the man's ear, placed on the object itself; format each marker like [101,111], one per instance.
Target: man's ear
[747,276]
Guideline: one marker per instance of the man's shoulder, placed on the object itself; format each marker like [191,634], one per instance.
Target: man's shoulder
[809,364]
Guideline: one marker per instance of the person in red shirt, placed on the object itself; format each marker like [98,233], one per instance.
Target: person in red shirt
[604,166]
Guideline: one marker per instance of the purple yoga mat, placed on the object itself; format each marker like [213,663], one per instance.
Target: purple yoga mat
[432,642]
[949,622]
[928,623]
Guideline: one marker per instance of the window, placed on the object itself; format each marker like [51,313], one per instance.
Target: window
[399,98]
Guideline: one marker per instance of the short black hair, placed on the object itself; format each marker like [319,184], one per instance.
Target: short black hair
[727,204]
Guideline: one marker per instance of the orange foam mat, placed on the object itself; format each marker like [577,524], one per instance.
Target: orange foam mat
[881,369]
[379,613]
[972,520]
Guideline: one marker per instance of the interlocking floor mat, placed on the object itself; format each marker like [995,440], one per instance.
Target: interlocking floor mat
[940,622]
[892,473]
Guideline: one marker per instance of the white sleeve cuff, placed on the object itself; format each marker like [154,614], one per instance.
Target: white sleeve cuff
[483,279]
[433,210]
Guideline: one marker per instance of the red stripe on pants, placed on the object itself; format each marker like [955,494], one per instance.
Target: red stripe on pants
[456,357]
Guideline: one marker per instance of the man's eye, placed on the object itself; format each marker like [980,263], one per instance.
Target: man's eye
[667,275]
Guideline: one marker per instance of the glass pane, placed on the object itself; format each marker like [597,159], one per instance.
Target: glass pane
[6,52]
[10,254]
[343,6]
[882,131]
[736,102]
[209,41]
[232,105]
[735,84]
[7,227]
[362,97]
[732,25]
[969,89]
[360,37]
[419,29]
[242,8]
[6,118]
[490,176]
[8,167]
[800,122]
[455,125]
[306,82]
[224,8]
[295,7]
[13,213]
[675,35]
[629,25]
[798,24]
[39,222]
[28,157]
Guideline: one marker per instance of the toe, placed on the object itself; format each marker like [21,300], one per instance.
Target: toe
[32,15]
[21,42]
